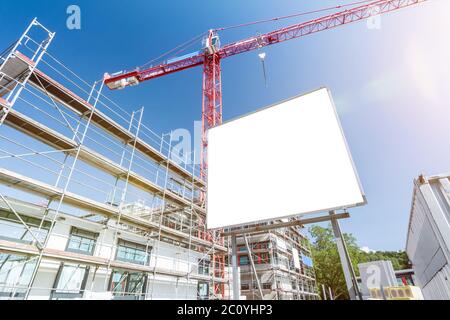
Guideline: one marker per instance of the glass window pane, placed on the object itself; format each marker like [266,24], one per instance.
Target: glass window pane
[136,283]
[119,282]
[82,241]
[243,260]
[15,274]
[124,283]
[12,230]
[132,252]
[203,290]
[71,278]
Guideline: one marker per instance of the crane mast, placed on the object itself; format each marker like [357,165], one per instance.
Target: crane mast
[212,54]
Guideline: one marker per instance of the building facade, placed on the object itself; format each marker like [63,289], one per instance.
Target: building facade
[428,240]
[86,260]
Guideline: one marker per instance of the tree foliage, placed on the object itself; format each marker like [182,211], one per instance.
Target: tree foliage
[327,263]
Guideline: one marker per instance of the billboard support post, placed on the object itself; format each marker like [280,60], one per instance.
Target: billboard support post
[235,269]
[250,255]
[330,293]
[347,268]
[324,293]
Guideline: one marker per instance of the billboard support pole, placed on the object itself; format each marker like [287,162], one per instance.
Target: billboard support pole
[250,255]
[330,293]
[347,268]
[235,269]
[324,292]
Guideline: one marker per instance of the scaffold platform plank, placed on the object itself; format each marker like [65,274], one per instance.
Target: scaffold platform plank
[13,69]
[3,103]
[74,102]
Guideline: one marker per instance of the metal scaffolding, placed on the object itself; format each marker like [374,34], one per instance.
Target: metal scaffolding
[77,155]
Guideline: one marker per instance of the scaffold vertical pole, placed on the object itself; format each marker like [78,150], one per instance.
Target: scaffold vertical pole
[122,157]
[250,254]
[191,215]
[125,190]
[37,56]
[272,258]
[235,268]
[64,162]
[62,196]
[162,213]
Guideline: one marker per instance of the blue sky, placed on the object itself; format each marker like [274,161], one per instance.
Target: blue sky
[391,85]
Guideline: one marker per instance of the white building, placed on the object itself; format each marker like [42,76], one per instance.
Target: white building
[88,260]
[94,205]
[428,241]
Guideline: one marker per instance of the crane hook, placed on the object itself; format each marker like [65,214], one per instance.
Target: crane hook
[262,57]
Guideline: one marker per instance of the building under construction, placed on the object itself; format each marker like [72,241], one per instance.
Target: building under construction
[93,204]
[279,265]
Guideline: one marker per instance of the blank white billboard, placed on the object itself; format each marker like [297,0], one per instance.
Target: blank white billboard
[285,160]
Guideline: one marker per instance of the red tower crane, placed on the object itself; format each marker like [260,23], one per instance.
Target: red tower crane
[213,53]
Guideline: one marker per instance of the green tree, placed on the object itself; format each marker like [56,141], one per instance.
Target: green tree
[328,265]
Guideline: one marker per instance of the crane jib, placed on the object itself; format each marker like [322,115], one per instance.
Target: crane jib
[331,21]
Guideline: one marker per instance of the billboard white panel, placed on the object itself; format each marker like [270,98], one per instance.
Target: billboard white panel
[285,160]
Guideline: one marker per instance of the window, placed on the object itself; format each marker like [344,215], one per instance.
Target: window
[132,252]
[261,246]
[254,246]
[245,286]
[13,230]
[15,274]
[70,281]
[262,258]
[258,258]
[242,248]
[267,285]
[243,260]
[128,285]
[203,291]
[203,267]
[294,285]
[82,241]
[405,280]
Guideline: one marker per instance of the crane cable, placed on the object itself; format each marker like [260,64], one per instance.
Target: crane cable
[262,55]
[186,44]
[295,15]
[180,47]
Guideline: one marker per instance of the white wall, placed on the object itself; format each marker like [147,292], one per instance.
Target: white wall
[44,281]
[59,237]
[165,288]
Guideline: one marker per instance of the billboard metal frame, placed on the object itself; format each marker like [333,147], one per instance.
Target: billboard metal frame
[298,215]
[332,216]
